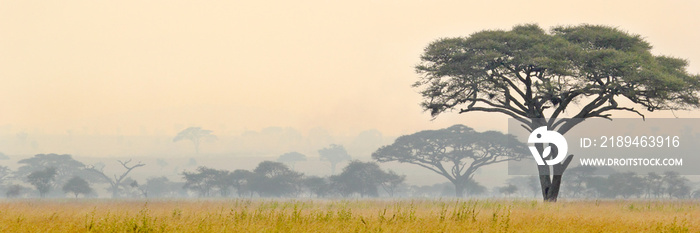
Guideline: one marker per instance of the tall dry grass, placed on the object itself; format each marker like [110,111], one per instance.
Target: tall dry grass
[347,216]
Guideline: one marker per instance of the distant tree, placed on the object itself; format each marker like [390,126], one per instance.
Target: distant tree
[334,154]
[363,178]
[625,184]
[576,180]
[391,181]
[161,187]
[3,156]
[205,180]
[76,186]
[455,152]
[316,186]
[473,188]
[134,188]
[533,183]
[13,190]
[696,194]
[275,179]
[65,167]
[653,185]
[675,185]
[291,158]
[527,185]
[240,180]
[598,187]
[196,135]
[508,189]
[535,76]
[115,184]
[42,180]
[5,175]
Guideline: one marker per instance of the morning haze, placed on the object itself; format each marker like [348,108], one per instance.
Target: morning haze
[141,71]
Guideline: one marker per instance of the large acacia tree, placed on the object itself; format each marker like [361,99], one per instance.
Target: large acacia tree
[455,152]
[534,75]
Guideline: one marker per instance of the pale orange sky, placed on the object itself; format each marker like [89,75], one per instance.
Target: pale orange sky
[117,67]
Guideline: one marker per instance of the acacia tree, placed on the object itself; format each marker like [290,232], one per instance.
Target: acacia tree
[291,158]
[76,186]
[455,152]
[534,76]
[275,179]
[334,154]
[42,180]
[206,179]
[195,135]
[364,178]
[116,183]
[65,166]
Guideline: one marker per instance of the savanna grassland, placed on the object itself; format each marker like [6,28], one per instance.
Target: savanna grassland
[240,215]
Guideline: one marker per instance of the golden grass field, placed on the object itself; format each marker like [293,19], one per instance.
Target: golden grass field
[241,215]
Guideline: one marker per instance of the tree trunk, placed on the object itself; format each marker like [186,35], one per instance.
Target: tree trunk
[550,187]
[115,191]
[459,189]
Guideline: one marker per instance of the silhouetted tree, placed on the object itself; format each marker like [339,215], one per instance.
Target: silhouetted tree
[65,167]
[447,189]
[625,184]
[116,182]
[162,187]
[318,186]
[5,175]
[362,178]
[576,180]
[240,180]
[275,179]
[675,185]
[291,158]
[391,181]
[534,76]
[206,179]
[196,135]
[598,187]
[76,186]
[653,185]
[334,154]
[42,180]
[14,190]
[508,189]
[527,185]
[455,153]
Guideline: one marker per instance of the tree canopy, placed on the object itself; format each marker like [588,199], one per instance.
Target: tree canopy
[65,166]
[291,158]
[42,180]
[455,152]
[76,186]
[530,73]
[334,154]
[195,135]
[275,179]
[364,178]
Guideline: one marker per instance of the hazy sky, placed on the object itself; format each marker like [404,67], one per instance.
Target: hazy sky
[124,67]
